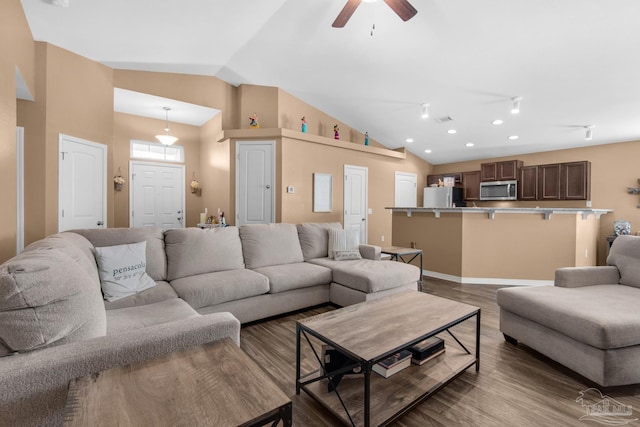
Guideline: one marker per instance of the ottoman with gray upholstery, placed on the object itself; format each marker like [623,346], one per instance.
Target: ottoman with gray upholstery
[588,321]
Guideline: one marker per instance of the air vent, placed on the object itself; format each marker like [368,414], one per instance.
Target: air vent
[444,119]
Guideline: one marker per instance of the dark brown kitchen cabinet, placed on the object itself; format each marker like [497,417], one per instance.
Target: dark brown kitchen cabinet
[528,183]
[565,181]
[500,171]
[576,181]
[433,179]
[471,185]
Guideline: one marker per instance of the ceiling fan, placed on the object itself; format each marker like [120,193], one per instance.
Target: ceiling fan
[401,7]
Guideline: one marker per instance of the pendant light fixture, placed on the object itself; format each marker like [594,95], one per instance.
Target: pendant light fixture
[165,138]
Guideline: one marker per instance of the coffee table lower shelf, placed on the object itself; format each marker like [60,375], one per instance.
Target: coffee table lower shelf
[390,397]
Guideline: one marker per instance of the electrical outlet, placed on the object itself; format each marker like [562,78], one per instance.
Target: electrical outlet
[588,203]
[382,238]
[369,211]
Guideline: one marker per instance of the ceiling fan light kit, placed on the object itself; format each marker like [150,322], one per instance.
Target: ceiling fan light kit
[515,109]
[402,8]
[588,132]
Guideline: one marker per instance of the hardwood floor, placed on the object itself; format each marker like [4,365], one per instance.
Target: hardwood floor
[516,386]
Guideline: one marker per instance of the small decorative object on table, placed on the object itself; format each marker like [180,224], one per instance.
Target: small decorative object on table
[118,181]
[336,132]
[426,350]
[195,185]
[621,226]
[366,138]
[304,124]
[393,364]
[253,121]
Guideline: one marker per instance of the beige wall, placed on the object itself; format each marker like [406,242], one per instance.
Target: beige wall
[614,168]
[215,170]
[16,50]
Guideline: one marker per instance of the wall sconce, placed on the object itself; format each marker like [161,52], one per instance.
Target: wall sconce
[118,181]
[195,185]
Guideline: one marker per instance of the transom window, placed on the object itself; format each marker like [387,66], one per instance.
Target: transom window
[155,151]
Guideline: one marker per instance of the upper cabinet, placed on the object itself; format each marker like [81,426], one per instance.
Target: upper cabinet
[500,171]
[433,179]
[558,181]
[528,185]
[471,185]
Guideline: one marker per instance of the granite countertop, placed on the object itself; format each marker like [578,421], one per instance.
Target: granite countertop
[491,211]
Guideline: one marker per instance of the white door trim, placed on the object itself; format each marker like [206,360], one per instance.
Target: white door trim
[102,147]
[182,202]
[19,189]
[273,176]
[366,198]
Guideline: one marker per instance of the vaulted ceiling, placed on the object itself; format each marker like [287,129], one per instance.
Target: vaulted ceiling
[575,63]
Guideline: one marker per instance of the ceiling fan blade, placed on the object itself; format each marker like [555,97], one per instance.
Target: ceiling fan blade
[402,8]
[346,13]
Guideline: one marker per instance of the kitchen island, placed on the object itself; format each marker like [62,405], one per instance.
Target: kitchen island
[492,245]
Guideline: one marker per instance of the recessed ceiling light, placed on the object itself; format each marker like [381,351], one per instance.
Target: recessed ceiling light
[469,144]
[497,122]
[451,131]
[409,140]
[427,151]
[514,137]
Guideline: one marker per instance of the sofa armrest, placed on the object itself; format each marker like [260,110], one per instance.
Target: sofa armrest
[575,277]
[370,252]
[34,385]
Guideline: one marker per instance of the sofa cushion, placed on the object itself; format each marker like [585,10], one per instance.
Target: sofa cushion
[154,236]
[603,316]
[162,291]
[192,251]
[132,318]
[370,276]
[293,276]
[343,240]
[122,270]
[222,286]
[625,254]
[270,244]
[314,238]
[47,299]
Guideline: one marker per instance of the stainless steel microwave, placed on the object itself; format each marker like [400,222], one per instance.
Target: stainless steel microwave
[499,190]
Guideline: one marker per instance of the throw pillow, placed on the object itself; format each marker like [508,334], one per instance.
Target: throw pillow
[122,270]
[346,255]
[343,240]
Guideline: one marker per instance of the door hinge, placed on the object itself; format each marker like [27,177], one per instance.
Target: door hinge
[62,213]
[63,153]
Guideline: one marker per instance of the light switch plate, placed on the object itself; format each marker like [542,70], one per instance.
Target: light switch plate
[291,189]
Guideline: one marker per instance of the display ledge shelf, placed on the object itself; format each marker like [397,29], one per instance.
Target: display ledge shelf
[491,212]
[270,133]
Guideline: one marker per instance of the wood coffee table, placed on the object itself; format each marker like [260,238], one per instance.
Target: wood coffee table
[216,384]
[371,331]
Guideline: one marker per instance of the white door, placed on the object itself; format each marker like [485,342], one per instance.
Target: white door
[356,199]
[82,192]
[157,195]
[20,189]
[406,192]
[255,195]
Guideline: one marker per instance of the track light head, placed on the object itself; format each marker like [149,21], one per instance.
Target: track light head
[515,108]
[425,111]
[588,132]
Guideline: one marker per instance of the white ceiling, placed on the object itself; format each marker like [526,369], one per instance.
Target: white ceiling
[574,62]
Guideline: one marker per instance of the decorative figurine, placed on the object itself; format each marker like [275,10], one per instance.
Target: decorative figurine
[366,138]
[253,121]
[336,132]
[304,124]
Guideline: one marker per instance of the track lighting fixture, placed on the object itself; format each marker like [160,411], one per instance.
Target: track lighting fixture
[515,109]
[425,111]
[588,132]
[165,138]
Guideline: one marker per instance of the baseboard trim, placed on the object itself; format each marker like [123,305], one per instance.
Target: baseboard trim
[487,280]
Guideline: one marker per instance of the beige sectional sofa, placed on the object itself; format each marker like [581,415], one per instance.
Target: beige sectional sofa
[589,321]
[55,326]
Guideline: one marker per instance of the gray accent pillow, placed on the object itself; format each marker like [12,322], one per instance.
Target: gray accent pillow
[625,254]
[270,244]
[47,299]
[314,238]
[347,255]
[122,270]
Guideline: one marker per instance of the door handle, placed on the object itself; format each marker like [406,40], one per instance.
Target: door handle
[268,186]
[100,223]
[363,219]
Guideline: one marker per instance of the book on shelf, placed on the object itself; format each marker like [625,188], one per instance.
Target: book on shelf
[426,348]
[426,359]
[393,364]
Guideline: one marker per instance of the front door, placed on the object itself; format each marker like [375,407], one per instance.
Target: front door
[82,192]
[157,195]
[355,199]
[255,196]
